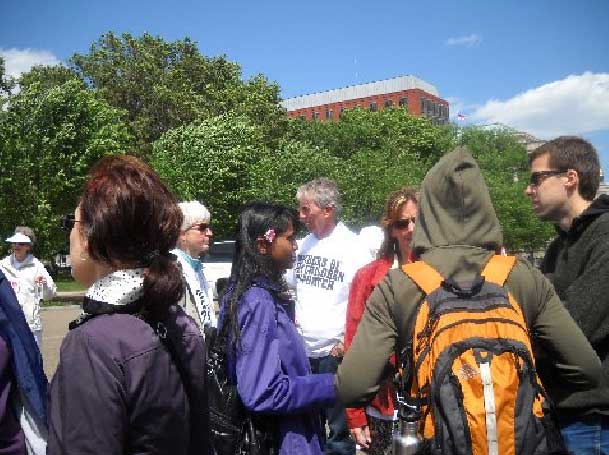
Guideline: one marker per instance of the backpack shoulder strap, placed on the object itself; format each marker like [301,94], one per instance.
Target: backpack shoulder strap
[498,268]
[424,276]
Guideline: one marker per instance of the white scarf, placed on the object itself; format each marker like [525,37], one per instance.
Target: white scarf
[118,288]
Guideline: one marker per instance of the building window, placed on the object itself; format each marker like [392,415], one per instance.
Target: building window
[388,103]
[315,115]
[423,106]
[302,117]
[373,107]
[329,114]
[340,114]
[403,102]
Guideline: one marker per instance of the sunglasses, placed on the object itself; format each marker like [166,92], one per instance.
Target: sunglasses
[67,222]
[202,227]
[404,223]
[537,178]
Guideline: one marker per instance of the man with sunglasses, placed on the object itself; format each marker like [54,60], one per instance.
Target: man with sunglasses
[193,241]
[565,175]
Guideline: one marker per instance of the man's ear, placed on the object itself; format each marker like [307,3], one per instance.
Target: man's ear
[572,179]
[262,246]
[328,211]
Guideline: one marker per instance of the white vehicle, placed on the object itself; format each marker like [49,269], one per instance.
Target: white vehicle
[218,262]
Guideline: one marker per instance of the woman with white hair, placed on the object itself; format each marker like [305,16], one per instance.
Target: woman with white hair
[28,278]
[193,241]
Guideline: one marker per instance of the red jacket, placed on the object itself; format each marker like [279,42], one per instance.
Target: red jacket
[362,285]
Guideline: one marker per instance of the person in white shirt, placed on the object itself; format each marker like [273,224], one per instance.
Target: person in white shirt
[28,278]
[195,235]
[326,262]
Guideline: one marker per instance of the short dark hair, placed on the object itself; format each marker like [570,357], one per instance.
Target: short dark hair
[129,216]
[572,152]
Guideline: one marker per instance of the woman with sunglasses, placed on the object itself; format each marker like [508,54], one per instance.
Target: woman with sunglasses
[131,376]
[28,278]
[372,427]
[267,357]
[193,241]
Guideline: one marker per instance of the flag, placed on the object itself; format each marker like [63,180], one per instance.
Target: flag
[460,117]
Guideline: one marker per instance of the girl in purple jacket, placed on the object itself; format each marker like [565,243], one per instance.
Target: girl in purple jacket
[267,356]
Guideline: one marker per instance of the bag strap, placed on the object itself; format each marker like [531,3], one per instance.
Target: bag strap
[498,268]
[424,276]
[161,331]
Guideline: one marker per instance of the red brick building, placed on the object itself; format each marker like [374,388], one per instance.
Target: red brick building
[418,96]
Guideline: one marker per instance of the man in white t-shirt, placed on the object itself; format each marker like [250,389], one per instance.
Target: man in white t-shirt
[326,262]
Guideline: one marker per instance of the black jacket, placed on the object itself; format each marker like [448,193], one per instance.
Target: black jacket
[577,263]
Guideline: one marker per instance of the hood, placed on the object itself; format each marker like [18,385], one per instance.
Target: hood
[455,206]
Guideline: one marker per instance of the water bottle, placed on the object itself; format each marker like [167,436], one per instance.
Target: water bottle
[406,441]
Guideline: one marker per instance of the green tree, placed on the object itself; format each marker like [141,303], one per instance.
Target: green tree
[163,85]
[7,83]
[49,138]
[212,161]
[47,77]
[378,151]
[277,175]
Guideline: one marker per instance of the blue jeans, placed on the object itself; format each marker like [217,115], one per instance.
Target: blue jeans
[587,435]
[339,440]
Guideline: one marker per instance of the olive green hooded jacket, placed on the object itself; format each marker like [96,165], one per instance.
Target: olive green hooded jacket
[457,232]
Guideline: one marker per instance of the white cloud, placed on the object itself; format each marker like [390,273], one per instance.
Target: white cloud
[17,61]
[468,41]
[575,105]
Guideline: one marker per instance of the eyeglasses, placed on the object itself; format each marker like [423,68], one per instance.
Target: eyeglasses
[404,223]
[202,227]
[67,222]
[537,178]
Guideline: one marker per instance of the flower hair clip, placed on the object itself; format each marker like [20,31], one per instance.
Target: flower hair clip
[269,235]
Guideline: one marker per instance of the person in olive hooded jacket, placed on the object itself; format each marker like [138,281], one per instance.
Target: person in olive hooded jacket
[457,232]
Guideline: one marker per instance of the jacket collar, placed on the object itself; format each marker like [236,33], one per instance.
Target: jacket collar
[599,206]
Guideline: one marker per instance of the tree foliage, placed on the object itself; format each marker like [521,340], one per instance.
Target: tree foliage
[164,85]
[378,152]
[211,161]
[7,83]
[48,141]
[216,137]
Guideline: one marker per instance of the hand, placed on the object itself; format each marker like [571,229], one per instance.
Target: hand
[338,350]
[41,280]
[361,436]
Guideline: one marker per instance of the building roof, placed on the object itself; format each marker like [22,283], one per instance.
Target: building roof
[396,84]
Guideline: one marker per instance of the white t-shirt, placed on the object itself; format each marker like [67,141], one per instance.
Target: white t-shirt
[321,277]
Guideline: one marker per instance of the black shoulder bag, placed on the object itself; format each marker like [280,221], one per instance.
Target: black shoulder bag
[234,430]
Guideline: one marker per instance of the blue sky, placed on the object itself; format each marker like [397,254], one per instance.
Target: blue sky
[541,67]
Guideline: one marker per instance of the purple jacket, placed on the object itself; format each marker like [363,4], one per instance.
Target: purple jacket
[117,391]
[273,372]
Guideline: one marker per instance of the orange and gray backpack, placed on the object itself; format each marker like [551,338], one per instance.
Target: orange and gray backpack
[471,371]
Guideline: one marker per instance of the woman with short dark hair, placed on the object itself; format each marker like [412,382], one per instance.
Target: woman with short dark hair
[267,357]
[131,374]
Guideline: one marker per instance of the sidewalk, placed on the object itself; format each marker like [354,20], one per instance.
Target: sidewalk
[66,296]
